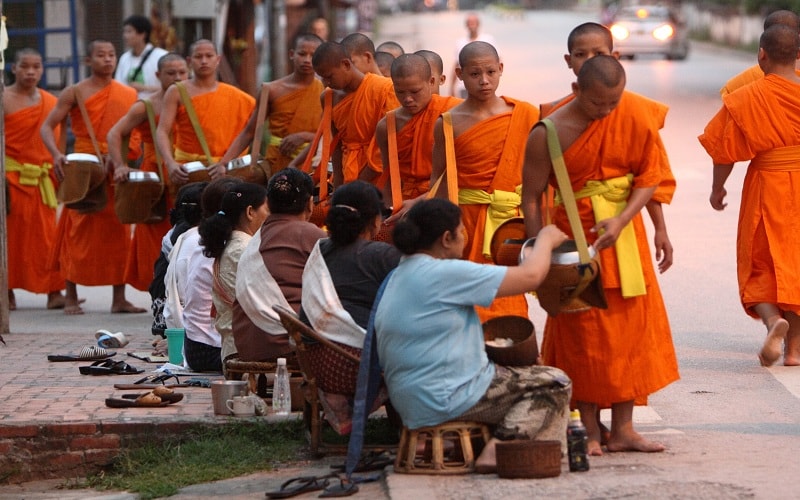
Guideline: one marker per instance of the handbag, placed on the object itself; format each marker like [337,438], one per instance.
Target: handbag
[575,286]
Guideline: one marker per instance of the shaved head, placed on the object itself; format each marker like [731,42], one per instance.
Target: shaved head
[357,43]
[306,37]
[328,54]
[94,43]
[783,18]
[780,43]
[18,55]
[433,59]
[589,29]
[168,58]
[476,49]
[202,41]
[391,47]
[411,65]
[601,70]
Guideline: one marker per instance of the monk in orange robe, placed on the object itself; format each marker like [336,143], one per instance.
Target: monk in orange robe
[222,111]
[625,352]
[755,73]
[92,248]
[359,102]
[293,109]
[420,108]
[147,237]
[760,123]
[490,133]
[31,220]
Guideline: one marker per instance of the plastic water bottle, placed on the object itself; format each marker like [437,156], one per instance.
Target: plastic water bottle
[281,395]
[576,443]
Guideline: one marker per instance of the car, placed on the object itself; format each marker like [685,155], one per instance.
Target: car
[650,29]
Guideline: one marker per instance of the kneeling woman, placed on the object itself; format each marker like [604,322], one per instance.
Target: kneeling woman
[430,340]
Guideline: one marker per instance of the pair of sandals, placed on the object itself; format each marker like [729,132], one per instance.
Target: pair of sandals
[109,367]
[159,397]
[161,380]
[305,484]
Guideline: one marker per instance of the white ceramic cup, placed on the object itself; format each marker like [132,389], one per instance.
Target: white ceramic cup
[241,406]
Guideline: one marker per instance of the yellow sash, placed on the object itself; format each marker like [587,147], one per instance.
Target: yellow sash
[34,175]
[502,205]
[274,140]
[609,198]
[184,157]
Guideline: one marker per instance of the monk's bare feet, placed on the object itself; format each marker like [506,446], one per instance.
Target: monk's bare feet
[12,301]
[72,308]
[125,307]
[633,441]
[771,350]
[594,448]
[486,463]
[57,301]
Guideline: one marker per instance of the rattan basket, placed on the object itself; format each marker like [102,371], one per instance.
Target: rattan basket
[528,459]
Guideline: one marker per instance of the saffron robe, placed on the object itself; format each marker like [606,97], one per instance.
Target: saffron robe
[746,77]
[92,249]
[754,124]
[415,146]
[649,109]
[221,113]
[355,118]
[624,352]
[147,238]
[31,223]
[489,157]
[297,111]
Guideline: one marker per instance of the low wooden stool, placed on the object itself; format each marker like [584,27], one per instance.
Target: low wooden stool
[433,461]
[255,371]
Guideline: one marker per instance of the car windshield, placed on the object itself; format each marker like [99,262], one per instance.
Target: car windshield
[643,14]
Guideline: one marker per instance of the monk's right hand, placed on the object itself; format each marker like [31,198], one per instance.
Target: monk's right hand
[407,204]
[58,166]
[717,199]
[177,174]
[121,173]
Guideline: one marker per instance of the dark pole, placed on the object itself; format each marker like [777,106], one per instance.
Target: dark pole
[3,232]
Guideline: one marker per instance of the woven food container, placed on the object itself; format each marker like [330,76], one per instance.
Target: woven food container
[523,352]
[528,459]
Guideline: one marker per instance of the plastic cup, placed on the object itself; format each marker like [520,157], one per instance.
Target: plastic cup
[175,345]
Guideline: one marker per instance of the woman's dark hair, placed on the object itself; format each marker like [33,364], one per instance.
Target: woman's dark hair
[288,191]
[213,193]
[354,207]
[425,223]
[215,231]
[187,204]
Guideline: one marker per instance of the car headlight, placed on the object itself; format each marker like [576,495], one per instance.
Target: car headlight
[663,32]
[619,32]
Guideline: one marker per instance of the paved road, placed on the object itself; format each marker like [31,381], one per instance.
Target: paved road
[732,427]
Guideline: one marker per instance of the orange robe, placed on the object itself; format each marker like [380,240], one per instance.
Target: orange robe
[297,111]
[221,113]
[31,223]
[489,157]
[92,248]
[761,123]
[746,77]
[355,118]
[624,352]
[649,109]
[415,146]
[146,243]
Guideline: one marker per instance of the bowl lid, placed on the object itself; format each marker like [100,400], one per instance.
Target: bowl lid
[243,161]
[194,166]
[82,157]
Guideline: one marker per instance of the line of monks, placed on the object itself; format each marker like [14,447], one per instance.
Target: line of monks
[336,108]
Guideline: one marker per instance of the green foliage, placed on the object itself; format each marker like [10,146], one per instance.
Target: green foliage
[207,454]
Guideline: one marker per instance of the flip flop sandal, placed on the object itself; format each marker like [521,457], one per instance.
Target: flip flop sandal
[369,463]
[90,353]
[159,397]
[345,488]
[109,367]
[299,485]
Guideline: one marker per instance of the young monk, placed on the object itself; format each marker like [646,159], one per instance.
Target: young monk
[414,119]
[754,73]
[146,243]
[222,111]
[490,134]
[745,129]
[437,68]
[361,50]
[384,61]
[359,102]
[92,247]
[625,352]
[31,219]
[392,47]
[589,40]
[293,109]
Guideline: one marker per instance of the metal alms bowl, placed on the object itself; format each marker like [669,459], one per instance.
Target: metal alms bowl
[564,254]
[142,176]
[237,163]
[194,166]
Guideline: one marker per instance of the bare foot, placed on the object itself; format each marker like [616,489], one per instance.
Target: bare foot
[57,301]
[486,463]
[771,350]
[12,301]
[72,309]
[791,353]
[593,448]
[633,442]
[126,307]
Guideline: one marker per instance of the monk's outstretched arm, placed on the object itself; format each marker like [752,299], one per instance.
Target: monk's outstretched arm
[535,173]
[57,116]
[119,132]
[718,192]
[439,159]
[166,120]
